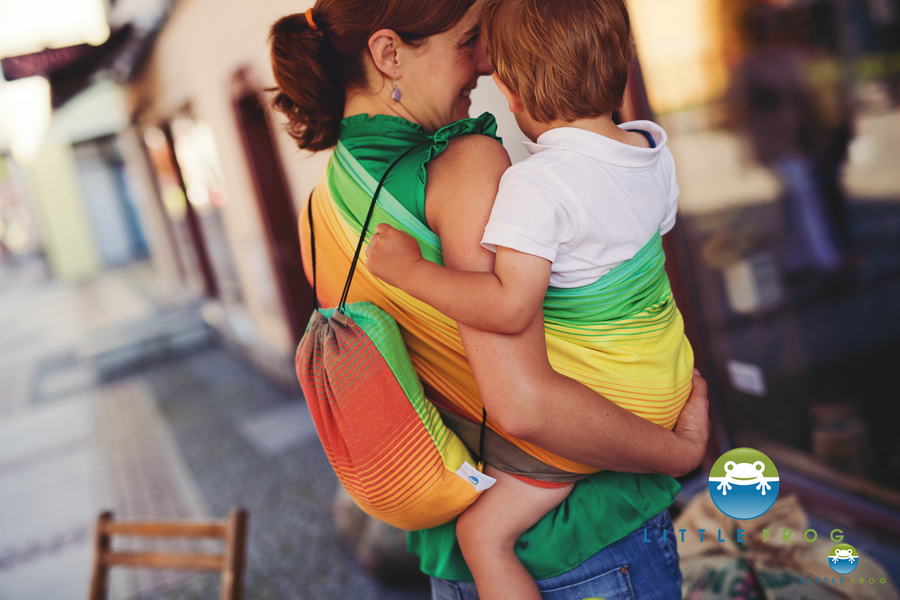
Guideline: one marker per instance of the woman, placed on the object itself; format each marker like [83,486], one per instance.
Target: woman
[393,76]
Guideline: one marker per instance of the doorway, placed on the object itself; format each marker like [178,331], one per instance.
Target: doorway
[275,204]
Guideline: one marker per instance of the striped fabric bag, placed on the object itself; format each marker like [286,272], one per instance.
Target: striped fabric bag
[385,440]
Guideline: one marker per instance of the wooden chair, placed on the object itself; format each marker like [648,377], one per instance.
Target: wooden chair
[232,530]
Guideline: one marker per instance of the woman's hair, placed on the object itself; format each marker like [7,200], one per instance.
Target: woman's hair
[567,59]
[314,68]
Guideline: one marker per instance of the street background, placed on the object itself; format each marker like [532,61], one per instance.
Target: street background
[152,290]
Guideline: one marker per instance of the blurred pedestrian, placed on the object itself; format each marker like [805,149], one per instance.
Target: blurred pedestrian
[831,132]
[771,102]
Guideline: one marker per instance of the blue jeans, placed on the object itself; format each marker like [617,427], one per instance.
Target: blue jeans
[636,567]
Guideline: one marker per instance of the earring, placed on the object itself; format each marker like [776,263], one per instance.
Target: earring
[396,93]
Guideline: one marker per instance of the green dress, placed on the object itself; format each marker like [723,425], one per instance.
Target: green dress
[604,507]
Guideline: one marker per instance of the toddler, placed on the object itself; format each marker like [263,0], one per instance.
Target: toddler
[576,229]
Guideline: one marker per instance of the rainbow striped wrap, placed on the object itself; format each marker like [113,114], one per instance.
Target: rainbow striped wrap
[622,336]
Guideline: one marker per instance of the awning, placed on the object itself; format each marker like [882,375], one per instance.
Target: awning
[41,63]
[73,69]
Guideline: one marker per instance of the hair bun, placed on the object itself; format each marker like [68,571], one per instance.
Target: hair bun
[310,93]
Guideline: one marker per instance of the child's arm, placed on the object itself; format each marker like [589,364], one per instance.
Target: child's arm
[505,301]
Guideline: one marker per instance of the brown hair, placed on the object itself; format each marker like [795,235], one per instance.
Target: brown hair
[567,59]
[313,68]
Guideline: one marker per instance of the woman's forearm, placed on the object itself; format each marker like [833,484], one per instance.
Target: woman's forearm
[530,401]
[605,435]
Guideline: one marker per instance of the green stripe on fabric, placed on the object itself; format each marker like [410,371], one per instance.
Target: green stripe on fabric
[382,330]
[563,538]
[386,201]
[628,290]
[353,203]
[644,325]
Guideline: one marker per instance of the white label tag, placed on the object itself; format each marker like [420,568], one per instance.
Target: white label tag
[479,480]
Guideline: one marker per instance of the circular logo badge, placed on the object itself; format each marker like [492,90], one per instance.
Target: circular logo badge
[843,559]
[743,483]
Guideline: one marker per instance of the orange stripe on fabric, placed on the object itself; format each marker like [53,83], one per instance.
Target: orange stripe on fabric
[549,485]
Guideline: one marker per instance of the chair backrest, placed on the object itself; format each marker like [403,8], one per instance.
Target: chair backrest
[230,563]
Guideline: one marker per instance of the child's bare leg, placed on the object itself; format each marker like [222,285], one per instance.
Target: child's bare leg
[490,528]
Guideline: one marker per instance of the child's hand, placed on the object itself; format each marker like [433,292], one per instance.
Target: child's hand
[391,254]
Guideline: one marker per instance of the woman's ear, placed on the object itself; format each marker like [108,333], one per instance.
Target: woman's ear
[515,102]
[383,49]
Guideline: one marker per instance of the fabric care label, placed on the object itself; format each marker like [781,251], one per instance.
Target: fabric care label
[479,480]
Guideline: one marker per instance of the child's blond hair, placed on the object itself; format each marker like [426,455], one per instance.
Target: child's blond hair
[567,59]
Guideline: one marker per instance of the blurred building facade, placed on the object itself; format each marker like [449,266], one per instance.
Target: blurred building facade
[228,208]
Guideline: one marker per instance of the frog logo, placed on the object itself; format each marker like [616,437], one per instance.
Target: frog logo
[843,559]
[743,483]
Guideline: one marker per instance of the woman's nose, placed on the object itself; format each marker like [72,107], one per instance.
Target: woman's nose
[483,64]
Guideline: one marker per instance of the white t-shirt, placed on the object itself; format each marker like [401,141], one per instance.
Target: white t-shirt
[585,202]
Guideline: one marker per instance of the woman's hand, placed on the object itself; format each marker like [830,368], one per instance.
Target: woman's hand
[392,254]
[692,429]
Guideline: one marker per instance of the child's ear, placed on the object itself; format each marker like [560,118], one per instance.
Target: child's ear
[515,102]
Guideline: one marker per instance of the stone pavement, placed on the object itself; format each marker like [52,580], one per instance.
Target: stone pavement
[185,437]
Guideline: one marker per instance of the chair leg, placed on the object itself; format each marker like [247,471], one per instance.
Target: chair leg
[233,573]
[99,576]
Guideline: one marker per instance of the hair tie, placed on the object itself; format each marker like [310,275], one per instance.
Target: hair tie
[309,19]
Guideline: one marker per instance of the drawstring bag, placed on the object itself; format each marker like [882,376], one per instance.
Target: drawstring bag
[384,439]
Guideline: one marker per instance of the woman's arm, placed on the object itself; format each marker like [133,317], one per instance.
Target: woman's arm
[522,393]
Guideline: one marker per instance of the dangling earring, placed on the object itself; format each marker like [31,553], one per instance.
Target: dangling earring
[396,93]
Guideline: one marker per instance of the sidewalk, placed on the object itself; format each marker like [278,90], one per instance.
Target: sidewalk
[188,437]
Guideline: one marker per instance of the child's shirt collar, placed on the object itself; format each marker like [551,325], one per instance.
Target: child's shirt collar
[600,147]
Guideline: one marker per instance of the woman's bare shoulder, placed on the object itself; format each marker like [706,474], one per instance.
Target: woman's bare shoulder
[463,179]
[477,154]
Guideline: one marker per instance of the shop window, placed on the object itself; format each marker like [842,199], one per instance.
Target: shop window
[784,121]
[193,259]
[201,174]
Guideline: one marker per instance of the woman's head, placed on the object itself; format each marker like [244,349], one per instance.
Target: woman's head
[361,46]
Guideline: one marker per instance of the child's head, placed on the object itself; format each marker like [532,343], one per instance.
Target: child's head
[566,59]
